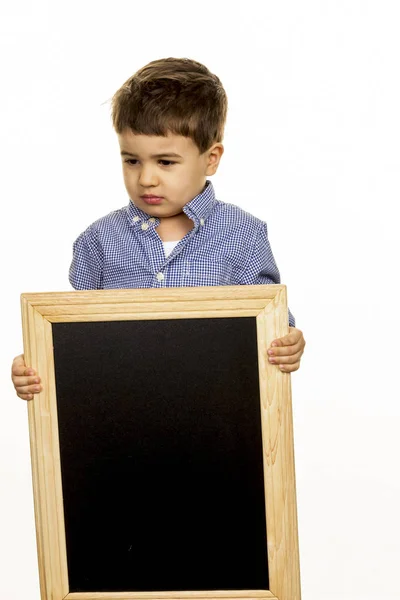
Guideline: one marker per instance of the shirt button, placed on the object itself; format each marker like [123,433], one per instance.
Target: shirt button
[160,276]
[145,226]
[202,221]
[136,219]
[152,220]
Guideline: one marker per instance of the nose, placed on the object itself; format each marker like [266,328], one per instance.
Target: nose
[147,176]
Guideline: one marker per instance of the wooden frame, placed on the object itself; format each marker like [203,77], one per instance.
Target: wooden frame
[268,303]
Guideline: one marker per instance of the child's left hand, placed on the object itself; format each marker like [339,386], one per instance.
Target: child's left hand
[286,351]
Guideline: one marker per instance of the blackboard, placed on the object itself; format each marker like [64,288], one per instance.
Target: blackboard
[162,444]
[161,454]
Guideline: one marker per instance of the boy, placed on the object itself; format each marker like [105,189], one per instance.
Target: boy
[170,118]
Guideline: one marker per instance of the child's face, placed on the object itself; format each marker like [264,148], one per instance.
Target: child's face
[175,180]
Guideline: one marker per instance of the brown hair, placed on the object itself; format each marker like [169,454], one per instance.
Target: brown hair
[176,95]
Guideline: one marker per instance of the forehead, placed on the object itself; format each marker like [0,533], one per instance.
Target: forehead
[147,145]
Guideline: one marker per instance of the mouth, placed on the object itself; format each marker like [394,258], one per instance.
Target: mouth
[152,199]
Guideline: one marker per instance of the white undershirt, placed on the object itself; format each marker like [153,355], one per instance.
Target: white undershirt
[169,246]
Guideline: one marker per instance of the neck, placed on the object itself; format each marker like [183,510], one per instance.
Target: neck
[172,229]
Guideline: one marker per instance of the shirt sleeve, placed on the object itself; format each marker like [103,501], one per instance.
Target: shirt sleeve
[261,267]
[86,270]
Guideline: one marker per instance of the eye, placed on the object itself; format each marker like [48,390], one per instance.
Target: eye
[133,161]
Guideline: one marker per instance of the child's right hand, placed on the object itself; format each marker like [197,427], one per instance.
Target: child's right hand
[24,378]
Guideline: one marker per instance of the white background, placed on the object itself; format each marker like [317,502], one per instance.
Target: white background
[311,147]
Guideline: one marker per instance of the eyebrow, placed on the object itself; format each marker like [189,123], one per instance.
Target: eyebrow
[125,153]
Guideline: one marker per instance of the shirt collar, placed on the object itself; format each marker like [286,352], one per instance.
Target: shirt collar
[201,206]
[198,209]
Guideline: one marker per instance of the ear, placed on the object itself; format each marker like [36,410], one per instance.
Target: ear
[213,157]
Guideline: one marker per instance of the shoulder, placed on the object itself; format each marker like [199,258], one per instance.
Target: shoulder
[116,220]
[232,215]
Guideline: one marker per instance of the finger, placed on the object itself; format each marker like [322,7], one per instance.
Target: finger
[289,368]
[18,364]
[277,342]
[293,337]
[28,389]
[287,340]
[19,381]
[23,372]
[19,360]
[290,359]
[286,350]
[19,370]
[25,396]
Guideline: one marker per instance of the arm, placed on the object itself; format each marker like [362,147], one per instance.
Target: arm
[86,270]
[261,268]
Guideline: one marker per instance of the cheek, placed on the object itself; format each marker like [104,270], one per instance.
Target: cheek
[128,179]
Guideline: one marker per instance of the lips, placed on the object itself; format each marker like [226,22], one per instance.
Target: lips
[152,199]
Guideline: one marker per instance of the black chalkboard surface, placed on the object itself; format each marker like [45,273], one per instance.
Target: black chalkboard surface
[161,454]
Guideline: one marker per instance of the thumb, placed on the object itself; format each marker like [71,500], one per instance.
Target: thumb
[286,340]
[19,367]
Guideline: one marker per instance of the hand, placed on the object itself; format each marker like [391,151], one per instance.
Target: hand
[24,378]
[286,352]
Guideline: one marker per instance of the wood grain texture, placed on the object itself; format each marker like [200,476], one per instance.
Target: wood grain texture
[268,303]
[149,307]
[280,492]
[46,473]
[151,295]
[30,354]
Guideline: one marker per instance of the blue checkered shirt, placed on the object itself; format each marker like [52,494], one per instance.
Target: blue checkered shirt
[227,246]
